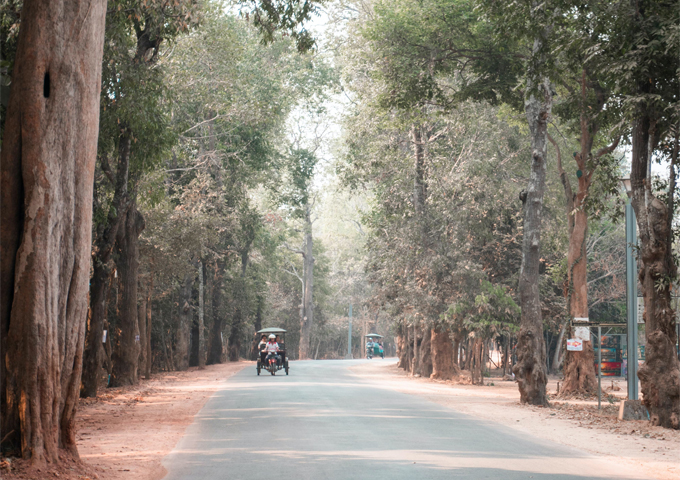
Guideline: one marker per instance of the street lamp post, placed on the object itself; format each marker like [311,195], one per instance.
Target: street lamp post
[631,293]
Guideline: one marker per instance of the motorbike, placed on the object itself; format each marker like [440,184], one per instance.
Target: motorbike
[273,364]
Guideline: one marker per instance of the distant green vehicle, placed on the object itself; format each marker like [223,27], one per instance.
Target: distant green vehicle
[374,346]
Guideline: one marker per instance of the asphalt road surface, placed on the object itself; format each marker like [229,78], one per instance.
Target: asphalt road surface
[321,422]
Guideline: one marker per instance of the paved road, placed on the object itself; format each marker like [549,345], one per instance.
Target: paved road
[321,422]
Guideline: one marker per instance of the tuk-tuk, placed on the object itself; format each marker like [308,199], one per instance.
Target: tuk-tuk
[273,365]
[374,346]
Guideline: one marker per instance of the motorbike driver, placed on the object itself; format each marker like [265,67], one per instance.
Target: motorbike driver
[272,348]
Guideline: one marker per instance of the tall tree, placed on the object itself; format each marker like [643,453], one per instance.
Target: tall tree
[646,75]
[298,194]
[48,157]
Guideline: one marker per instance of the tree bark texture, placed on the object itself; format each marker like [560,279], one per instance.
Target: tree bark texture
[425,351]
[141,320]
[419,184]
[101,269]
[147,319]
[181,357]
[660,374]
[128,346]
[443,366]
[47,166]
[415,360]
[476,361]
[404,348]
[215,352]
[201,322]
[308,300]
[530,369]
[93,355]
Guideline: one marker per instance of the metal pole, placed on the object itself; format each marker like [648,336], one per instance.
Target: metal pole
[349,335]
[599,367]
[631,302]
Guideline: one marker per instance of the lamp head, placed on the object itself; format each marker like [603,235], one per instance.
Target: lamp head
[625,181]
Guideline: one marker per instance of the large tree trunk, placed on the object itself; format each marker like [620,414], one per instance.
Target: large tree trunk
[443,366]
[660,374]
[201,323]
[128,347]
[415,360]
[579,367]
[93,355]
[47,164]
[101,255]
[404,351]
[141,320]
[476,361]
[181,360]
[308,300]
[258,326]
[215,352]
[530,369]
[425,350]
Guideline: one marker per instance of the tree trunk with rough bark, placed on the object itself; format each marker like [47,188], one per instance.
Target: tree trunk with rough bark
[404,351]
[530,370]
[141,320]
[476,361]
[181,360]
[94,345]
[128,346]
[660,374]
[215,352]
[47,166]
[443,366]
[147,345]
[101,269]
[201,323]
[425,350]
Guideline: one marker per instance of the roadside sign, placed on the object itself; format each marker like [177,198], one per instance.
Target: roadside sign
[574,345]
[640,309]
[582,333]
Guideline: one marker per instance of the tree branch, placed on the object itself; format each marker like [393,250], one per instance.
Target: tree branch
[106,168]
[563,176]
[608,149]
[294,250]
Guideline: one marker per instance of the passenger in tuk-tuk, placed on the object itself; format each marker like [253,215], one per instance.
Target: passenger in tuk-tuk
[261,348]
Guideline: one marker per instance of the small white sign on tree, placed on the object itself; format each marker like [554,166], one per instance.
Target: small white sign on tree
[575,345]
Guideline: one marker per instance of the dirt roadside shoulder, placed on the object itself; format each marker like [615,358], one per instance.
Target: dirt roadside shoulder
[124,433]
[648,451]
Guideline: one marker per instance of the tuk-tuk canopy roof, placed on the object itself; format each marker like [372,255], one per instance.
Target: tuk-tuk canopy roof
[272,330]
[373,335]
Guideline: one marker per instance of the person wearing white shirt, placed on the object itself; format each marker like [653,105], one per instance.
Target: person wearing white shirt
[272,348]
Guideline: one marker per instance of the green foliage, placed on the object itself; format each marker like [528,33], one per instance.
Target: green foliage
[295,193]
[284,16]
[438,52]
